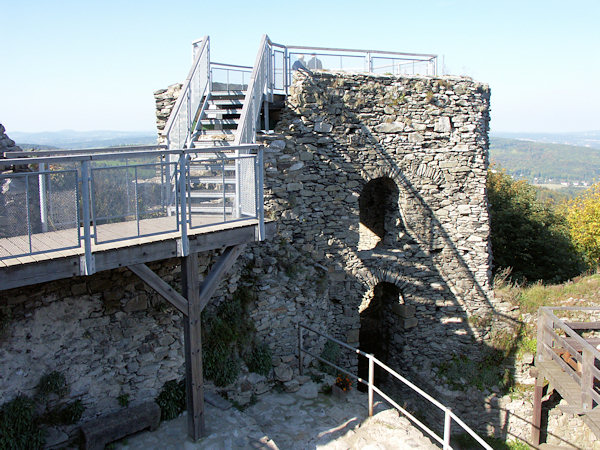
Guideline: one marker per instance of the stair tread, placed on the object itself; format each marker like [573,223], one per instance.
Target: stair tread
[225,101]
[213,120]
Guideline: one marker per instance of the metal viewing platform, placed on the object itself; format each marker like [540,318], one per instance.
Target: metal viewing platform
[63,215]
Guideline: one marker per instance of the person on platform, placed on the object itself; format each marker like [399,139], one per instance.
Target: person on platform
[315,63]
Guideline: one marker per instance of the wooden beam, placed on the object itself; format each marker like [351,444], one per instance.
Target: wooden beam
[583,325]
[161,287]
[537,410]
[211,282]
[193,347]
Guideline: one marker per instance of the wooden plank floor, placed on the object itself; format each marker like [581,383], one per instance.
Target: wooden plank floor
[15,250]
[570,391]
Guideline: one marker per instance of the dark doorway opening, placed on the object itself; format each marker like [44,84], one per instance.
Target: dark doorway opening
[376,329]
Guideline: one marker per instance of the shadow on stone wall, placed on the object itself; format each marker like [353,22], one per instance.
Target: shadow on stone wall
[455,315]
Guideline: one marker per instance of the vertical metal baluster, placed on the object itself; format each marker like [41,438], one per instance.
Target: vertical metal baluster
[137,200]
[261,206]
[182,196]
[223,187]
[447,424]
[371,382]
[85,190]
[28,214]
[42,186]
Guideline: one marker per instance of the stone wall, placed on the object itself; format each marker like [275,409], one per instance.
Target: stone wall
[165,101]
[109,334]
[424,138]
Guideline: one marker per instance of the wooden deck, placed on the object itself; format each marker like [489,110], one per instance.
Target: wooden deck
[118,246]
[570,363]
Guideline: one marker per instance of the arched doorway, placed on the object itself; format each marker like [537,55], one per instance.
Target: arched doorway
[379,215]
[376,327]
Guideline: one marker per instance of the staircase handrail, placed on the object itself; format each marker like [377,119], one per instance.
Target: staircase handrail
[246,132]
[190,96]
[448,414]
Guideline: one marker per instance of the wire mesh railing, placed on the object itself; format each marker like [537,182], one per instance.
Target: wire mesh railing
[372,389]
[65,202]
[192,99]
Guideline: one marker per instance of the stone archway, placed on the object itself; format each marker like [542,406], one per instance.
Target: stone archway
[377,327]
[379,215]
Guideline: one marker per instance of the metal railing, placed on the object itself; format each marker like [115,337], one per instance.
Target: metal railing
[192,99]
[449,416]
[272,74]
[554,347]
[229,77]
[260,83]
[77,201]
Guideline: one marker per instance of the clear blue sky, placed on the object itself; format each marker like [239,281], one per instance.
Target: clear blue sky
[92,65]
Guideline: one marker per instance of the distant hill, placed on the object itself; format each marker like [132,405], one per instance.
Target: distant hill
[26,146]
[580,139]
[540,162]
[69,139]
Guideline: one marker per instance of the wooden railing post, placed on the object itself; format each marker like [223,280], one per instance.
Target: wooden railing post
[587,380]
[542,336]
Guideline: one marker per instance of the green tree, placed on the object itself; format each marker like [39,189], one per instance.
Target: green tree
[528,235]
[583,216]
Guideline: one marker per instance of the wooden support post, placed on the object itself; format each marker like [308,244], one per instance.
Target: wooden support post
[537,410]
[193,347]
[197,298]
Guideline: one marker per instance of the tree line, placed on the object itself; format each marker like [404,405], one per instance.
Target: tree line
[542,240]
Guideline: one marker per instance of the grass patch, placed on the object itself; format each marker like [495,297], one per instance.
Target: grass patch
[585,289]
[19,426]
[464,441]
[331,352]
[260,360]
[171,399]
[461,372]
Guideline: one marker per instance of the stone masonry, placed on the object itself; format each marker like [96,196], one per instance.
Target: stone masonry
[377,185]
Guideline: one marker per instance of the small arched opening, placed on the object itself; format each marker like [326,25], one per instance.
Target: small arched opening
[379,214]
[376,327]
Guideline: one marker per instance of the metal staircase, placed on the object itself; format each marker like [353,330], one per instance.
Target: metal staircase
[222,105]
[220,119]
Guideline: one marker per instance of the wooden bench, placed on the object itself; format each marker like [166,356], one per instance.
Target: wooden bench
[112,427]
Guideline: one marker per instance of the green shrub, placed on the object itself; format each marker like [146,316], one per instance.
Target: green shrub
[260,360]
[123,400]
[52,383]
[19,427]
[172,399]
[527,235]
[461,371]
[331,352]
[227,334]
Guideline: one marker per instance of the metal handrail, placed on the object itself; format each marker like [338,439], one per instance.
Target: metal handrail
[448,414]
[246,131]
[264,80]
[189,103]
[83,190]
